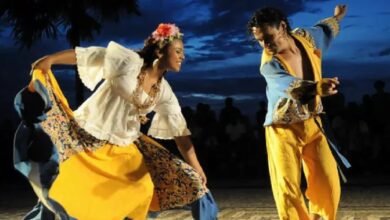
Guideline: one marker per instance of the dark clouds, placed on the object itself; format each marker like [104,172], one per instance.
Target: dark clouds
[224,22]
[214,30]
[228,26]
[385,52]
[355,69]
[217,45]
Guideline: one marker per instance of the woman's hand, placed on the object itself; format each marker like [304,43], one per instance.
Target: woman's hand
[340,11]
[187,150]
[200,171]
[327,86]
[43,64]
[203,176]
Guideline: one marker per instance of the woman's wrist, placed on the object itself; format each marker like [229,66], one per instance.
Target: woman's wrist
[50,59]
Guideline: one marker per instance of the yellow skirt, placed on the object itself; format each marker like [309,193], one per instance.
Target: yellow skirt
[109,183]
[99,180]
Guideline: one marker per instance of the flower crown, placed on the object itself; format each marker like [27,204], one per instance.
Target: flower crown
[166,33]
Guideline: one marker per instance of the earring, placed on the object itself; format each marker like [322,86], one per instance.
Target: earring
[155,62]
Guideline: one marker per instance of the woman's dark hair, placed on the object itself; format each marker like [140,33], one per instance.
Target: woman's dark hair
[148,52]
[267,16]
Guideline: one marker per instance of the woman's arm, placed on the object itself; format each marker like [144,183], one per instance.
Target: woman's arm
[187,150]
[67,57]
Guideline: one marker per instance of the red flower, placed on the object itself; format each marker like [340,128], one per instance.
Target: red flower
[165,31]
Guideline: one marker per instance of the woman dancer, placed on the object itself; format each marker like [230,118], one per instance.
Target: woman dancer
[94,163]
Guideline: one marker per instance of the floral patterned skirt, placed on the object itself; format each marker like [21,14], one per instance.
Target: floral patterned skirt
[99,180]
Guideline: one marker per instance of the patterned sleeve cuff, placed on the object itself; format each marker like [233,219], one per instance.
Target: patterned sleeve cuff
[333,24]
[302,90]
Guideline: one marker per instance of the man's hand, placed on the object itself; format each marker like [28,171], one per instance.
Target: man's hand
[340,11]
[327,86]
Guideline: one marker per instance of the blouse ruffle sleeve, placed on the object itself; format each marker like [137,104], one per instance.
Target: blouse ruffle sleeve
[90,62]
[168,122]
[120,61]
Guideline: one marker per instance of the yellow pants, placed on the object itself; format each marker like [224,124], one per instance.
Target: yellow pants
[291,147]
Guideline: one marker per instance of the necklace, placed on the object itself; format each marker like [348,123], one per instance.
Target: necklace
[150,100]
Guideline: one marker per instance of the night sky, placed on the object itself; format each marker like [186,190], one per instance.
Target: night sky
[221,59]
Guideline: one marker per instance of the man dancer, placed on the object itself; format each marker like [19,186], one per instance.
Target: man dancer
[291,65]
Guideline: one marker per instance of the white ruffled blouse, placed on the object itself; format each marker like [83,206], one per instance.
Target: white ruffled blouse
[109,113]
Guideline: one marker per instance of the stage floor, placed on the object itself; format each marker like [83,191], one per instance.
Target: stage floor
[357,202]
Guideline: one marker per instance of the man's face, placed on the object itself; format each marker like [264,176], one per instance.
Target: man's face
[269,37]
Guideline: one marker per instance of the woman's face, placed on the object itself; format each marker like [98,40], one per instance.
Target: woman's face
[174,56]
